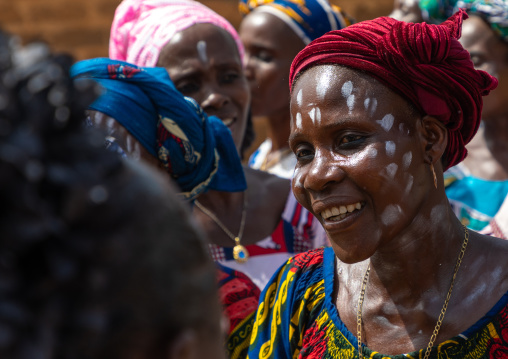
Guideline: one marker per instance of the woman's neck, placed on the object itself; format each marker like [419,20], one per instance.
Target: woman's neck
[421,258]
[496,139]
[279,129]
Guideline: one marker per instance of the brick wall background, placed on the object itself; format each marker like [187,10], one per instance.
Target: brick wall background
[81,27]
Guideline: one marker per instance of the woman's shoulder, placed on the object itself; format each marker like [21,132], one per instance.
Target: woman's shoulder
[268,186]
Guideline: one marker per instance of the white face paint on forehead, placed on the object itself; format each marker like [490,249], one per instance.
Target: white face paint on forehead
[312,115]
[299,121]
[370,105]
[201,47]
[347,93]
[324,82]
[386,122]
[299,98]
[318,116]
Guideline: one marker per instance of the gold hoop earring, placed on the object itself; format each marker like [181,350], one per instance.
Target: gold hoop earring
[434,174]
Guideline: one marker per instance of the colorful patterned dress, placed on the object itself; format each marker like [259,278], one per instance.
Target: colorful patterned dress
[240,284]
[297,319]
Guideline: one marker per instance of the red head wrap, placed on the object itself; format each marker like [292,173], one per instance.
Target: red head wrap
[423,63]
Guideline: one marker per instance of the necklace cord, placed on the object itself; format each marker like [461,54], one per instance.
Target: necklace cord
[240,253]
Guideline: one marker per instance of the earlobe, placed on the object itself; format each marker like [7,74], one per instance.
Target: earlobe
[184,346]
[434,138]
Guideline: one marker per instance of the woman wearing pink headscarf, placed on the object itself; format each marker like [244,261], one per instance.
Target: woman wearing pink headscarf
[252,232]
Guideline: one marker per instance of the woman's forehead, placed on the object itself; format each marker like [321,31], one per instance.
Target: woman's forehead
[198,39]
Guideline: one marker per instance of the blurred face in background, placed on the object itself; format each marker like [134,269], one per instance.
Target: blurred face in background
[204,63]
[270,47]
[488,53]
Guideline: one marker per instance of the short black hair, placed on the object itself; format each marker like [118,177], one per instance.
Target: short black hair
[97,254]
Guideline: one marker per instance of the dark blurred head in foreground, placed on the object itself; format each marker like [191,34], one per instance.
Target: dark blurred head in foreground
[98,259]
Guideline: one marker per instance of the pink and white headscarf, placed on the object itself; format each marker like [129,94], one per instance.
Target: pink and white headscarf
[141,28]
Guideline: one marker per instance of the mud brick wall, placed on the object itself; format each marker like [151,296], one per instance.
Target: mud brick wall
[81,27]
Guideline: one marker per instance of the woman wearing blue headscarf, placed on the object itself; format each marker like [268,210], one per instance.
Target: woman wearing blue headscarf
[146,117]
[273,32]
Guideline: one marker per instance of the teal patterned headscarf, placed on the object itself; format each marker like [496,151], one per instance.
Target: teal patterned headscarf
[495,12]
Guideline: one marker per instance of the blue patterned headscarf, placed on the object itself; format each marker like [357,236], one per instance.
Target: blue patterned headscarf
[495,12]
[309,19]
[198,151]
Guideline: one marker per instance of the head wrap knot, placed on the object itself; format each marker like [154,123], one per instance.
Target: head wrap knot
[197,151]
[423,63]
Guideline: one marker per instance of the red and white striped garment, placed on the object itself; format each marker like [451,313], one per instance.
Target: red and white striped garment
[298,231]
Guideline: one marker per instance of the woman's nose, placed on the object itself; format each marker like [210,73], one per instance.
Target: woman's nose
[323,171]
[214,100]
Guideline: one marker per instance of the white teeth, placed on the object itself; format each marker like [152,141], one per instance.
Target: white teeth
[227,121]
[340,212]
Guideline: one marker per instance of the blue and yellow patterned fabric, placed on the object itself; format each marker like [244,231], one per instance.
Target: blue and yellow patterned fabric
[198,151]
[495,12]
[309,19]
[297,318]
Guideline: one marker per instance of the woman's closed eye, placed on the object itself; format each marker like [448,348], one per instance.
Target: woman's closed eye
[263,56]
[228,77]
[188,87]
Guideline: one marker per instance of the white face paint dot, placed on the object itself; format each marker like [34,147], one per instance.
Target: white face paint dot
[390,148]
[312,115]
[387,122]
[350,103]
[323,84]
[347,89]
[299,120]
[366,103]
[201,47]
[297,181]
[391,170]
[406,159]
[318,115]
[372,152]
[409,185]
[391,214]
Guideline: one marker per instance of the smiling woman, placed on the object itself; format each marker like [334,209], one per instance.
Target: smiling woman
[397,103]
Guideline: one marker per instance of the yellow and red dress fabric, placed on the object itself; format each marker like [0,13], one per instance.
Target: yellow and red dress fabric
[239,297]
[297,318]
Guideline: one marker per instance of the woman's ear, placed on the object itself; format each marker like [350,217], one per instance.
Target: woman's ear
[184,346]
[434,137]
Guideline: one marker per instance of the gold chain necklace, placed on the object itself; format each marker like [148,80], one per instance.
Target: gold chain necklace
[240,253]
[441,315]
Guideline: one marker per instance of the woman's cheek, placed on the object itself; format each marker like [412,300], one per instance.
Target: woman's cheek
[298,187]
